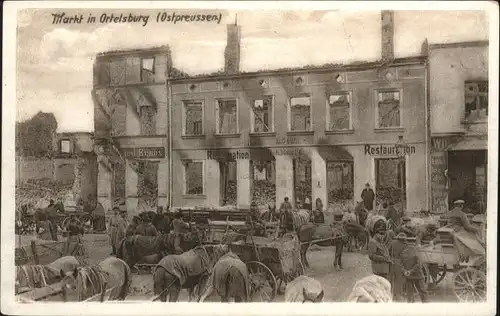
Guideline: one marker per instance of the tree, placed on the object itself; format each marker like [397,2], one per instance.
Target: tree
[34,137]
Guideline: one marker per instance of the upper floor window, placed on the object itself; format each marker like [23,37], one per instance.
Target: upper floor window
[339,111]
[476,100]
[226,117]
[261,115]
[65,146]
[193,118]
[299,114]
[147,69]
[388,109]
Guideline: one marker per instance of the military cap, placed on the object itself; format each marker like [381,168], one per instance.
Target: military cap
[401,236]
[459,202]
[406,219]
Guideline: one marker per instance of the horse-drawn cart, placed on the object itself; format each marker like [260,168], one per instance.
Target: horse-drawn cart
[270,262]
[468,268]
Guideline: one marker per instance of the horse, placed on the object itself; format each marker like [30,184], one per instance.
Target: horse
[371,289]
[186,271]
[230,279]
[110,274]
[304,289]
[37,276]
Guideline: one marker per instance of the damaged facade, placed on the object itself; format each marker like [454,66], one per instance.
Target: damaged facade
[131,127]
[459,123]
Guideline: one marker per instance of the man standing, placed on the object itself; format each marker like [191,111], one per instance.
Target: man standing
[394,217]
[146,228]
[412,270]
[379,254]
[397,278]
[286,216]
[338,226]
[458,219]
[180,229]
[113,229]
[368,197]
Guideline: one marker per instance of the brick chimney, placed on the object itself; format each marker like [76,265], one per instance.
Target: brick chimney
[387,18]
[232,52]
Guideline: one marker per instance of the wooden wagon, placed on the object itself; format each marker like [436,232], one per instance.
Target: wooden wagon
[270,262]
[469,273]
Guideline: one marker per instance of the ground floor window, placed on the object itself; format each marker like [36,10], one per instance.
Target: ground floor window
[340,181]
[119,176]
[263,181]
[147,186]
[390,176]
[193,177]
[229,183]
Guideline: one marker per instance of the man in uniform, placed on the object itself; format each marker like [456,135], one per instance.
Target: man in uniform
[338,226]
[397,277]
[458,219]
[368,197]
[407,227]
[255,221]
[394,217]
[412,270]
[145,228]
[180,229]
[379,254]
[286,216]
[113,229]
[133,226]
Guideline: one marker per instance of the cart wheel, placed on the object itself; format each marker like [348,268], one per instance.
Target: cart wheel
[433,275]
[469,285]
[263,281]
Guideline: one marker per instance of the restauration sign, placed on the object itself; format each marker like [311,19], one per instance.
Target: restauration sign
[144,152]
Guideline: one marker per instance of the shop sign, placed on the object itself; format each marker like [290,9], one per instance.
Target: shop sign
[226,155]
[390,150]
[144,152]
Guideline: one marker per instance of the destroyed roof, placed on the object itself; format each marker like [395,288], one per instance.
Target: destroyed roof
[180,75]
[133,51]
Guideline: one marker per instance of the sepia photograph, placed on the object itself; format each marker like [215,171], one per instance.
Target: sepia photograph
[248,153]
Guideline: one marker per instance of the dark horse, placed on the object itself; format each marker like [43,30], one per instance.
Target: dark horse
[149,249]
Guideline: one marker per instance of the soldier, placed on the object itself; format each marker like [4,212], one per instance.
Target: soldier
[132,226]
[180,229]
[113,229]
[145,228]
[458,219]
[379,254]
[397,278]
[73,242]
[412,270]
[317,215]
[338,226]
[426,233]
[407,227]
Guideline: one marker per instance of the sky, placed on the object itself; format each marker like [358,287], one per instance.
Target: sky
[54,61]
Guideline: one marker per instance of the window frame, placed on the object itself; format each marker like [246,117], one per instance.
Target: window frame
[289,113]
[184,116]
[376,171]
[385,90]
[477,96]
[328,118]
[70,150]
[252,115]
[184,183]
[142,66]
[217,109]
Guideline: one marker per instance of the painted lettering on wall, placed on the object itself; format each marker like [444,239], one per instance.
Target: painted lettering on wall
[439,182]
[223,155]
[288,151]
[144,152]
[388,150]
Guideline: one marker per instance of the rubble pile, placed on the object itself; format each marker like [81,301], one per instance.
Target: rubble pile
[38,193]
[264,192]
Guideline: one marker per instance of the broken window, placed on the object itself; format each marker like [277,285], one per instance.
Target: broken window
[227,117]
[148,120]
[147,185]
[300,114]
[193,177]
[389,109]
[339,111]
[340,181]
[262,115]
[391,180]
[65,146]
[476,100]
[193,118]
[148,70]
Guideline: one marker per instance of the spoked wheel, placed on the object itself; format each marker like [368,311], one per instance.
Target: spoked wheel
[264,285]
[433,275]
[469,285]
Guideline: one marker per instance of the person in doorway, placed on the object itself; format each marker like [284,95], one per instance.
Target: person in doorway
[180,229]
[379,254]
[397,278]
[338,226]
[113,229]
[368,197]
[412,270]
[145,228]
[317,215]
